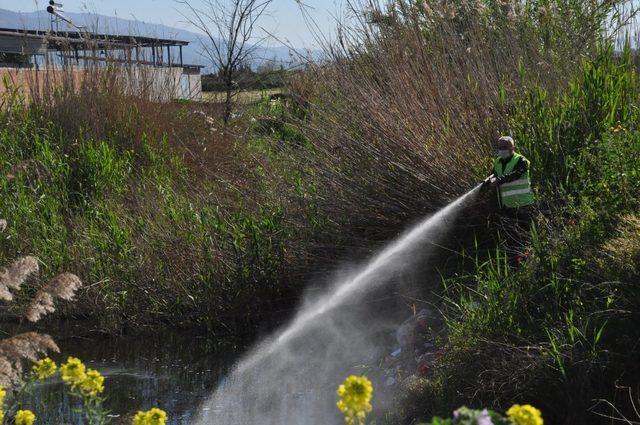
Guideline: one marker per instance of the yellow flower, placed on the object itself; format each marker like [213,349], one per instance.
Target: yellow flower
[3,394]
[355,399]
[140,418]
[73,372]
[25,417]
[154,416]
[44,368]
[525,415]
[92,384]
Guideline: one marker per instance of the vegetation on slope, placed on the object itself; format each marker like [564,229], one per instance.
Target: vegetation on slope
[405,116]
[558,332]
[165,216]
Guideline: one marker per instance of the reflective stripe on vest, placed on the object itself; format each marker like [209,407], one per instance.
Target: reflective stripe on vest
[517,193]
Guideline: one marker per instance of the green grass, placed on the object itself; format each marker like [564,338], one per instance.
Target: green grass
[152,240]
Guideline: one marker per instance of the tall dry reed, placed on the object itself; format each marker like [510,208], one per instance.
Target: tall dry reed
[404,112]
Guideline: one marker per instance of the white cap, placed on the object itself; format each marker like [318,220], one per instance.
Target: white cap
[507,139]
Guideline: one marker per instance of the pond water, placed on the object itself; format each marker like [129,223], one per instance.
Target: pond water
[171,370]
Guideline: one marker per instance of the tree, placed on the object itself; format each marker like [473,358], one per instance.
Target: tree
[229,27]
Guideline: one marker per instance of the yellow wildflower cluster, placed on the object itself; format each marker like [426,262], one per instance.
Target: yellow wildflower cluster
[3,394]
[525,415]
[44,368]
[355,399]
[617,129]
[75,374]
[93,383]
[25,417]
[154,416]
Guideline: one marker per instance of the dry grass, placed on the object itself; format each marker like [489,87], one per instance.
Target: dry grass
[174,217]
[243,98]
[404,113]
[13,277]
[14,350]
[621,255]
[63,286]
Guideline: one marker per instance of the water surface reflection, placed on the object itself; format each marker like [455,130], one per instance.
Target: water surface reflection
[171,370]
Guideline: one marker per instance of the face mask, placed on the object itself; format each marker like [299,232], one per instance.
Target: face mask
[504,153]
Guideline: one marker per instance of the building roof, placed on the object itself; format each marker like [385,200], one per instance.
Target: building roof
[64,39]
[37,42]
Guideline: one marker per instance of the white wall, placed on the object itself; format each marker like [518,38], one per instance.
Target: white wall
[160,84]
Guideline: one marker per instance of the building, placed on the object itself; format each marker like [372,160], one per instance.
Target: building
[155,63]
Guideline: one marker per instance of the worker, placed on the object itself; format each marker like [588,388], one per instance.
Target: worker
[515,195]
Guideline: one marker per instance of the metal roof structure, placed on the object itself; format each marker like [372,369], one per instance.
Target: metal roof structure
[38,42]
[83,38]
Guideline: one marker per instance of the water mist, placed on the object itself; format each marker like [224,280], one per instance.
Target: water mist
[291,377]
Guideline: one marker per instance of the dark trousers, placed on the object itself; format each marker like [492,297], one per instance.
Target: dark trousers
[515,226]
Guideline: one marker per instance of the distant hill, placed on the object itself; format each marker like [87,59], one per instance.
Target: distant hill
[192,54]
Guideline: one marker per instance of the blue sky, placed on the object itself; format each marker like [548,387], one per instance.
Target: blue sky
[285,20]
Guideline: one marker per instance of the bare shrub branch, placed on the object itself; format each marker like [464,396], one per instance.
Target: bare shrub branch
[229,42]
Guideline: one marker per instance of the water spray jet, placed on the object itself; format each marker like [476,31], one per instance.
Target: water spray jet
[291,377]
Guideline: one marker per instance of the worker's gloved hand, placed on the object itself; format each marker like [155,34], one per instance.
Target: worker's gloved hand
[489,181]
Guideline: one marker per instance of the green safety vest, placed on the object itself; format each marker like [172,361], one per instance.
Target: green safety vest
[517,193]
